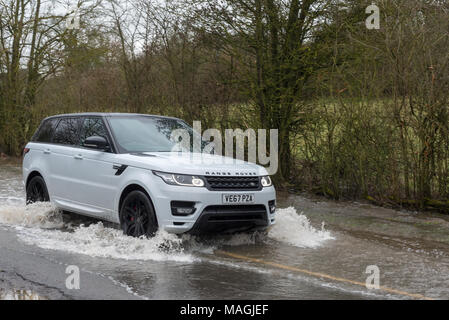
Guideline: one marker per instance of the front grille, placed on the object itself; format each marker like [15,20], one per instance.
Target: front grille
[248,217]
[236,212]
[233,183]
[232,218]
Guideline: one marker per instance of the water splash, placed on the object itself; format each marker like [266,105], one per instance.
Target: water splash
[209,244]
[290,228]
[34,222]
[40,214]
[42,224]
[96,240]
[295,229]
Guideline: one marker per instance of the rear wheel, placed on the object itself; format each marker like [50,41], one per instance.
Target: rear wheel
[36,191]
[137,216]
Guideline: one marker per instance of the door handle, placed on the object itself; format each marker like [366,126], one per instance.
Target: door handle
[47,151]
[78,156]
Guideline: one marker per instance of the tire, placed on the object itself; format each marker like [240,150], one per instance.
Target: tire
[137,215]
[37,191]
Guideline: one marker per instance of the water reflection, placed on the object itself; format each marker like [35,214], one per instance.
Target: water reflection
[20,294]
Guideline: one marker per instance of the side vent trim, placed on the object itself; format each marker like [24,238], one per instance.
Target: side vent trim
[120,168]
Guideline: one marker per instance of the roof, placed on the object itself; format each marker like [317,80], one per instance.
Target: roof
[107,114]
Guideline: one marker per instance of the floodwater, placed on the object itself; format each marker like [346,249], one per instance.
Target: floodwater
[318,249]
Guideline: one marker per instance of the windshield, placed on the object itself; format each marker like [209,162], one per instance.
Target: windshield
[136,134]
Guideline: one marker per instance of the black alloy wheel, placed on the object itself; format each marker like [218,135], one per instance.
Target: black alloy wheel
[137,216]
[36,191]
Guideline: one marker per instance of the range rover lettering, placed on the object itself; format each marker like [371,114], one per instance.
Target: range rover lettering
[122,168]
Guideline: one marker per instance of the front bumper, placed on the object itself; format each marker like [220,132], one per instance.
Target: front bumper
[231,218]
[206,218]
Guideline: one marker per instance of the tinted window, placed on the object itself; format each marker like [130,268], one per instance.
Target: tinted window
[66,132]
[93,127]
[45,132]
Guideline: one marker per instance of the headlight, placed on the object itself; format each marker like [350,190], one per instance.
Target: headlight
[266,181]
[180,179]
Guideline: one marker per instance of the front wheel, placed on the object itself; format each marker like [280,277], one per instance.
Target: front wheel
[36,191]
[137,216]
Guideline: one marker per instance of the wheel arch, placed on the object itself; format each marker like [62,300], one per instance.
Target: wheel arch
[128,189]
[31,175]
[132,187]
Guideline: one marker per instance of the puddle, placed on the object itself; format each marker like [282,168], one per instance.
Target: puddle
[20,294]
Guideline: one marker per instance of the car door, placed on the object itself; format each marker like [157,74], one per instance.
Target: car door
[95,184]
[42,155]
[60,152]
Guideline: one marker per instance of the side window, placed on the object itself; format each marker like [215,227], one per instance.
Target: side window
[66,132]
[45,132]
[93,127]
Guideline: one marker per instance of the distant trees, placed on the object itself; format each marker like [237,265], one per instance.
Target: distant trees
[273,42]
[31,43]
[382,128]
[415,51]
[168,65]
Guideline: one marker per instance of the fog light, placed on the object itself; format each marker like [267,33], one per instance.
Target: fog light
[272,205]
[182,208]
[183,211]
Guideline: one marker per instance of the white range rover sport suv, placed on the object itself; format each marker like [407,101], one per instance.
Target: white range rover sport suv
[122,168]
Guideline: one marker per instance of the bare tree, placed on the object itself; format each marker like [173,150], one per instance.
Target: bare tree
[31,43]
[273,40]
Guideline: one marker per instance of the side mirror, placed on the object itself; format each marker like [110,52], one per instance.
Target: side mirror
[96,142]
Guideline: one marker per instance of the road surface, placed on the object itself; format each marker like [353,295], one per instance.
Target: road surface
[317,250]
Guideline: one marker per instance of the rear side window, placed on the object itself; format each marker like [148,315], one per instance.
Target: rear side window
[45,132]
[93,127]
[67,132]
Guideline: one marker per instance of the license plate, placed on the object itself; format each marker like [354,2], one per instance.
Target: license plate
[238,198]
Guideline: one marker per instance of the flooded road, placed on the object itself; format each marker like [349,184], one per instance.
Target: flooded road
[317,250]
